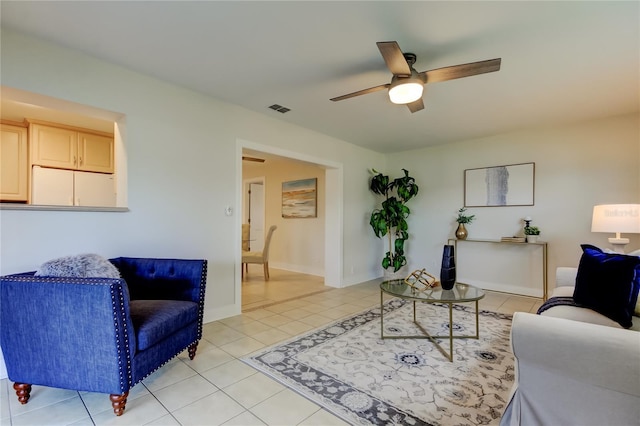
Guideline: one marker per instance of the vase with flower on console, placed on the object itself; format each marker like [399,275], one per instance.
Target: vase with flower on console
[461,232]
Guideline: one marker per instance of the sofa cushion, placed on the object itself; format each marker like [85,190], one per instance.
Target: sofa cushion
[153,320]
[608,283]
[80,266]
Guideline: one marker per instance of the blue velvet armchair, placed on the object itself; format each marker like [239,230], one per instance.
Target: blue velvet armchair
[100,334]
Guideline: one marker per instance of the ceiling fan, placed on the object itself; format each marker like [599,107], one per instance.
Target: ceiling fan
[407,84]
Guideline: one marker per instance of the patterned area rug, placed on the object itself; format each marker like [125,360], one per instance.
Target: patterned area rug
[347,369]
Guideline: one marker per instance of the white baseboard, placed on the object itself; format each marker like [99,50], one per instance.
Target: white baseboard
[301,269]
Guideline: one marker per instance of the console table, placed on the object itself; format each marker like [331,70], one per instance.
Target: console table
[492,261]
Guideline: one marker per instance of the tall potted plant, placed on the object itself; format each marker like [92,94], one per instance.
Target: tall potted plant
[391,218]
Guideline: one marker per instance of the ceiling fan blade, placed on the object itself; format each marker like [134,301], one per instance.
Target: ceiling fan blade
[361,92]
[460,71]
[394,58]
[416,105]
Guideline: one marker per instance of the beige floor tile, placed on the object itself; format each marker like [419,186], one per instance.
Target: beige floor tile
[236,321]
[276,320]
[208,360]
[253,390]
[316,320]
[173,372]
[99,402]
[143,410]
[258,314]
[314,307]
[5,414]
[334,313]
[244,419]
[68,411]
[222,335]
[212,410]
[229,373]
[41,396]
[252,328]
[185,392]
[272,336]
[296,327]
[166,420]
[323,418]
[284,408]
[296,313]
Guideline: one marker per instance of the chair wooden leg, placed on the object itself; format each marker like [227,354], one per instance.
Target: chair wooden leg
[192,350]
[242,271]
[118,402]
[266,271]
[23,391]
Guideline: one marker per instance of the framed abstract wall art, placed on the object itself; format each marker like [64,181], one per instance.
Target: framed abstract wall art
[299,198]
[509,185]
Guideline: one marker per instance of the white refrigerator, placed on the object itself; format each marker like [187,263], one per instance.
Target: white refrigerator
[57,187]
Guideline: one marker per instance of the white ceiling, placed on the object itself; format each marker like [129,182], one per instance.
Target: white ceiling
[562,61]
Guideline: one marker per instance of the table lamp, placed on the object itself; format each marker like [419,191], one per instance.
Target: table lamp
[616,218]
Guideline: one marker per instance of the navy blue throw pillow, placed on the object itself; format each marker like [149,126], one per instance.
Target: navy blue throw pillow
[608,283]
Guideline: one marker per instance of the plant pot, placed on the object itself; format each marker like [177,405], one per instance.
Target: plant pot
[461,232]
[532,238]
[388,274]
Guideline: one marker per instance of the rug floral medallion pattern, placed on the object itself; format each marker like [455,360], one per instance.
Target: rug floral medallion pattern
[348,369]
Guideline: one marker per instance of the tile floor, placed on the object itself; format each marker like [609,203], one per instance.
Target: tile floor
[217,388]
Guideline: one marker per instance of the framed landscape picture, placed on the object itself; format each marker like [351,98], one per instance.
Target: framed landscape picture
[299,198]
[509,185]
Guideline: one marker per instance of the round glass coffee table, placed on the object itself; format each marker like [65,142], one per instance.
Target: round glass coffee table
[460,293]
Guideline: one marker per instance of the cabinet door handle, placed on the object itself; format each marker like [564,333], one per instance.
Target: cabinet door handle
[80,160]
[74,160]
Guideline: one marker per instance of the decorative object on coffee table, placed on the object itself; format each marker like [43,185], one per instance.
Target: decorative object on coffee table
[462,219]
[421,280]
[448,269]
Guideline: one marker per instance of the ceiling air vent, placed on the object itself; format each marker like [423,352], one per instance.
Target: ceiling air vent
[279,108]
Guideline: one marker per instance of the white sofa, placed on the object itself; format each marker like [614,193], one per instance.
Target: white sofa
[573,366]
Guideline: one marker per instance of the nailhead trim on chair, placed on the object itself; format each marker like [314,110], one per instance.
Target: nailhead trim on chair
[120,312]
[203,283]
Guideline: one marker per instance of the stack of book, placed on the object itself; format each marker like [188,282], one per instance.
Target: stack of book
[512,239]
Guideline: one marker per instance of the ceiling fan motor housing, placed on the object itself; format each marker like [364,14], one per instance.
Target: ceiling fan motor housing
[404,90]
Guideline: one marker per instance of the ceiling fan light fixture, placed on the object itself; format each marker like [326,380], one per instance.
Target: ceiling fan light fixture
[405,90]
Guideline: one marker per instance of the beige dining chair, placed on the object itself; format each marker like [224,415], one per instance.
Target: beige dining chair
[245,236]
[259,257]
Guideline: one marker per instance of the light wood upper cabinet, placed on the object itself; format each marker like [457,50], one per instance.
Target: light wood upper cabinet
[14,163]
[95,153]
[69,148]
[53,147]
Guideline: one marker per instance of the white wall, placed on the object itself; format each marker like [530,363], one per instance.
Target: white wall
[576,167]
[297,244]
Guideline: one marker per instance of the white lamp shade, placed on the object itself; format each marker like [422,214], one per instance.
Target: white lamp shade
[405,93]
[616,218]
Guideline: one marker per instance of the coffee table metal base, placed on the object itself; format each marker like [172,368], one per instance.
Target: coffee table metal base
[425,334]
